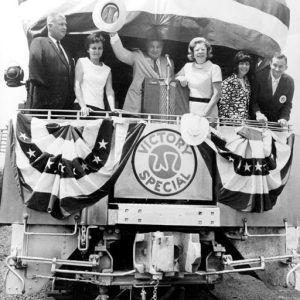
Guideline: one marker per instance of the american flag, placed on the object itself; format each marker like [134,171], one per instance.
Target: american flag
[250,167]
[66,166]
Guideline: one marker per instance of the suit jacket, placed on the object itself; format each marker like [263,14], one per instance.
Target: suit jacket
[277,106]
[51,76]
[141,70]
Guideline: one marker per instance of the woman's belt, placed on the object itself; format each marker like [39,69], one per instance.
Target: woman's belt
[203,100]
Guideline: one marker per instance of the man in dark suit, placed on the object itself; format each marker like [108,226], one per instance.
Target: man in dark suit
[51,69]
[273,92]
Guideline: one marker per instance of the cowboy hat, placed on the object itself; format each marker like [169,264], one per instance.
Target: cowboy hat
[194,129]
[109,15]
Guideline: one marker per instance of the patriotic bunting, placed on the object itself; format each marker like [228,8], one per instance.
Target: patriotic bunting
[68,166]
[249,167]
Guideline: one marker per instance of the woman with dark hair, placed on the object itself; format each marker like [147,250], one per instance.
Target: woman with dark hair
[202,77]
[236,89]
[92,76]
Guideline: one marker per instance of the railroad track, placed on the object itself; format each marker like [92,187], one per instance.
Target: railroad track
[203,294]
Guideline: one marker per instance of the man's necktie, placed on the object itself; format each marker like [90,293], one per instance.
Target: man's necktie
[155,66]
[274,86]
[61,50]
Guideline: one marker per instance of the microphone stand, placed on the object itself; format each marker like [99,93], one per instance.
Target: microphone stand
[168,90]
[168,83]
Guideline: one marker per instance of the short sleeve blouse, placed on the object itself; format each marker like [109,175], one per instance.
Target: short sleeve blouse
[200,78]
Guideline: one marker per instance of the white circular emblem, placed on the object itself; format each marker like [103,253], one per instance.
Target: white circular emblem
[282,99]
[163,163]
[109,15]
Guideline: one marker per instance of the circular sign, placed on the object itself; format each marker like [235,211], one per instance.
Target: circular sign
[282,99]
[109,15]
[163,163]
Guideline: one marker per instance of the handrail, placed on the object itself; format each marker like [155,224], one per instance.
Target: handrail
[247,234]
[25,217]
[75,114]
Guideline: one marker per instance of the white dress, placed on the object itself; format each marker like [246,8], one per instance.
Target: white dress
[200,78]
[92,80]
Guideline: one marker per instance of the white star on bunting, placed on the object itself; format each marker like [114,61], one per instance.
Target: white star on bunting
[97,159]
[23,136]
[31,153]
[258,166]
[49,163]
[247,167]
[84,166]
[102,144]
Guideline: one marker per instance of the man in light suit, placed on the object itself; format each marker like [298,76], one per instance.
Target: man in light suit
[273,92]
[51,69]
[149,64]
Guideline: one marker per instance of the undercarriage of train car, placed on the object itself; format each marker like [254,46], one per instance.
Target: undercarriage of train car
[152,234]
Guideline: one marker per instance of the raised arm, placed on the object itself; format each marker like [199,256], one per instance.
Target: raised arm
[121,53]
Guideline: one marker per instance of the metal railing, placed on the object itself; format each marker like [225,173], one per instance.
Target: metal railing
[250,264]
[129,117]
[137,117]
[3,139]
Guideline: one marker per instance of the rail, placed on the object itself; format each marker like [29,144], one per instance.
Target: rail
[3,139]
[26,232]
[65,115]
[136,117]
[13,261]
[247,234]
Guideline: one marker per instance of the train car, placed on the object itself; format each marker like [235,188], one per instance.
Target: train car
[126,206]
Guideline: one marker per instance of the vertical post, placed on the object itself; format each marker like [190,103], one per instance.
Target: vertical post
[168,89]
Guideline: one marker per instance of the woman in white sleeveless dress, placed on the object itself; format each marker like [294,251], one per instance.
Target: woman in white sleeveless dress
[92,77]
[202,77]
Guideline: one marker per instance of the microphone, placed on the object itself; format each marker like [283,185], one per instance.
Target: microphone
[168,60]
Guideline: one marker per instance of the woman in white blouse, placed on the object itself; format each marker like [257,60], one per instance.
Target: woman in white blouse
[92,77]
[202,77]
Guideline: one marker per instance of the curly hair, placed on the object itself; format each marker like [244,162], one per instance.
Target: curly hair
[93,38]
[196,41]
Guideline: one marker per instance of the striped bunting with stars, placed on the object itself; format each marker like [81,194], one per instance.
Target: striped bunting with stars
[68,166]
[250,167]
